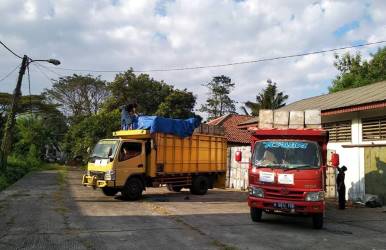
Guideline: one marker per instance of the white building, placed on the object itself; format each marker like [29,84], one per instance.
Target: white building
[356,121]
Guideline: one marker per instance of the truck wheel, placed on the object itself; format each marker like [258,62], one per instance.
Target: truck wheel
[317,221]
[109,191]
[256,214]
[200,185]
[133,189]
[171,187]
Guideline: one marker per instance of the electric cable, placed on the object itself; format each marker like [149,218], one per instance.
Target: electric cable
[9,74]
[47,68]
[227,64]
[5,46]
[29,89]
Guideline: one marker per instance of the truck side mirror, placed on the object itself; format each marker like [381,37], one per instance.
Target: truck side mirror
[110,152]
[335,160]
[238,156]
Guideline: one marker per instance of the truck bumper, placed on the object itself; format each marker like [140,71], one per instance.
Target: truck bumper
[92,181]
[299,207]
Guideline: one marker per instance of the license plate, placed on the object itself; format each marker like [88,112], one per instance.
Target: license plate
[282,205]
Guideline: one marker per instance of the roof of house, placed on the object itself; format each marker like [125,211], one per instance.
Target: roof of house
[233,134]
[371,93]
[342,100]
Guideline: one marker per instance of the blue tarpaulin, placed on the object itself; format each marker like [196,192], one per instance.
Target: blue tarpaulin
[182,128]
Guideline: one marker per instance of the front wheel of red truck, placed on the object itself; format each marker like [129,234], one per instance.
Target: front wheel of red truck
[256,214]
[317,221]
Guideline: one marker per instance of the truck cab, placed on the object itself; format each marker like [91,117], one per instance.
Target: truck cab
[287,173]
[112,161]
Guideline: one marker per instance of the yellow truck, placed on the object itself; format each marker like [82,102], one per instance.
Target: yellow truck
[136,159]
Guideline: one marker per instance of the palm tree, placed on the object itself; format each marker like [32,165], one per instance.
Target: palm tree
[268,98]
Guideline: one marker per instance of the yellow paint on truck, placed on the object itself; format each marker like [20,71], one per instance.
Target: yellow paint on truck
[160,159]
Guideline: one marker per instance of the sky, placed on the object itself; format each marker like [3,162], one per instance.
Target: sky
[158,34]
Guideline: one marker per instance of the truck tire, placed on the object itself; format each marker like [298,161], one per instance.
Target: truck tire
[317,221]
[200,185]
[256,214]
[133,189]
[109,191]
[171,187]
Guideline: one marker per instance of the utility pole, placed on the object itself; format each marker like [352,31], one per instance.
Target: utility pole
[7,137]
[8,130]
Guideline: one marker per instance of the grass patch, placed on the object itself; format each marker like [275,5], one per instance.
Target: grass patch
[18,166]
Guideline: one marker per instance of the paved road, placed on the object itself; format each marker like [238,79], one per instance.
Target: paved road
[51,210]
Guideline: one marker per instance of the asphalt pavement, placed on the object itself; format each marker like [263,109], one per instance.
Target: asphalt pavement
[52,210]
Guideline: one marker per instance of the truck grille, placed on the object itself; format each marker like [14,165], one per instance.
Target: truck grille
[283,193]
[100,175]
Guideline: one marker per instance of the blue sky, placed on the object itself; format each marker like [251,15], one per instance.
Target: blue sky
[153,34]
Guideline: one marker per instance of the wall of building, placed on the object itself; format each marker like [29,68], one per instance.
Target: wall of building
[237,174]
[353,158]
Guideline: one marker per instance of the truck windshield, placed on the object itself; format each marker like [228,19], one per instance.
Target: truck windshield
[102,150]
[286,154]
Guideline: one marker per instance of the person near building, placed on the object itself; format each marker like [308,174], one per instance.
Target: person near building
[341,187]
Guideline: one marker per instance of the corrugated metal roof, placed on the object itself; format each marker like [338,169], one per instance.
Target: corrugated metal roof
[375,92]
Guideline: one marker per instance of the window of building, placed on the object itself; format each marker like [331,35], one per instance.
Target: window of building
[339,131]
[374,129]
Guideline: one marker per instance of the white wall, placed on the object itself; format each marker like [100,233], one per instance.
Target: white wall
[237,174]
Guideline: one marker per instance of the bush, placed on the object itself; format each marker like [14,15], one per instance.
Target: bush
[18,166]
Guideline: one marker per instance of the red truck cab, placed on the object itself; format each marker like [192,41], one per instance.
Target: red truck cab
[287,173]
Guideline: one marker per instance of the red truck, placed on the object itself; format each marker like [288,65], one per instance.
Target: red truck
[287,173]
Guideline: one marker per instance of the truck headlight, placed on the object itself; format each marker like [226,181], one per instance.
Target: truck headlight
[257,192]
[315,196]
[110,175]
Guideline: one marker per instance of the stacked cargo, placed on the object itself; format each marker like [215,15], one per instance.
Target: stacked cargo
[282,119]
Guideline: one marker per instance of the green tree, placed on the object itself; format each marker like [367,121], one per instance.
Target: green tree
[145,91]
[78,96]
[36,107]
[179,104]
[89,131]
[268,98]
[219,103]
[355,72]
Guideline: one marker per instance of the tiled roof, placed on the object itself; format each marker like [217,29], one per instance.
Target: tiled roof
[232,133]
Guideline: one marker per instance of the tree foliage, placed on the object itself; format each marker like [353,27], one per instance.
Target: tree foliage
[78,96]
[89,131]
[145,91]
[268,98]
[219,103]
[355,72]
[179,104]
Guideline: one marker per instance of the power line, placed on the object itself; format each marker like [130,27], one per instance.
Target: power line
[47,68]
[5,46]
[10,73]
[29,89]
[227,64]
[43,73]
